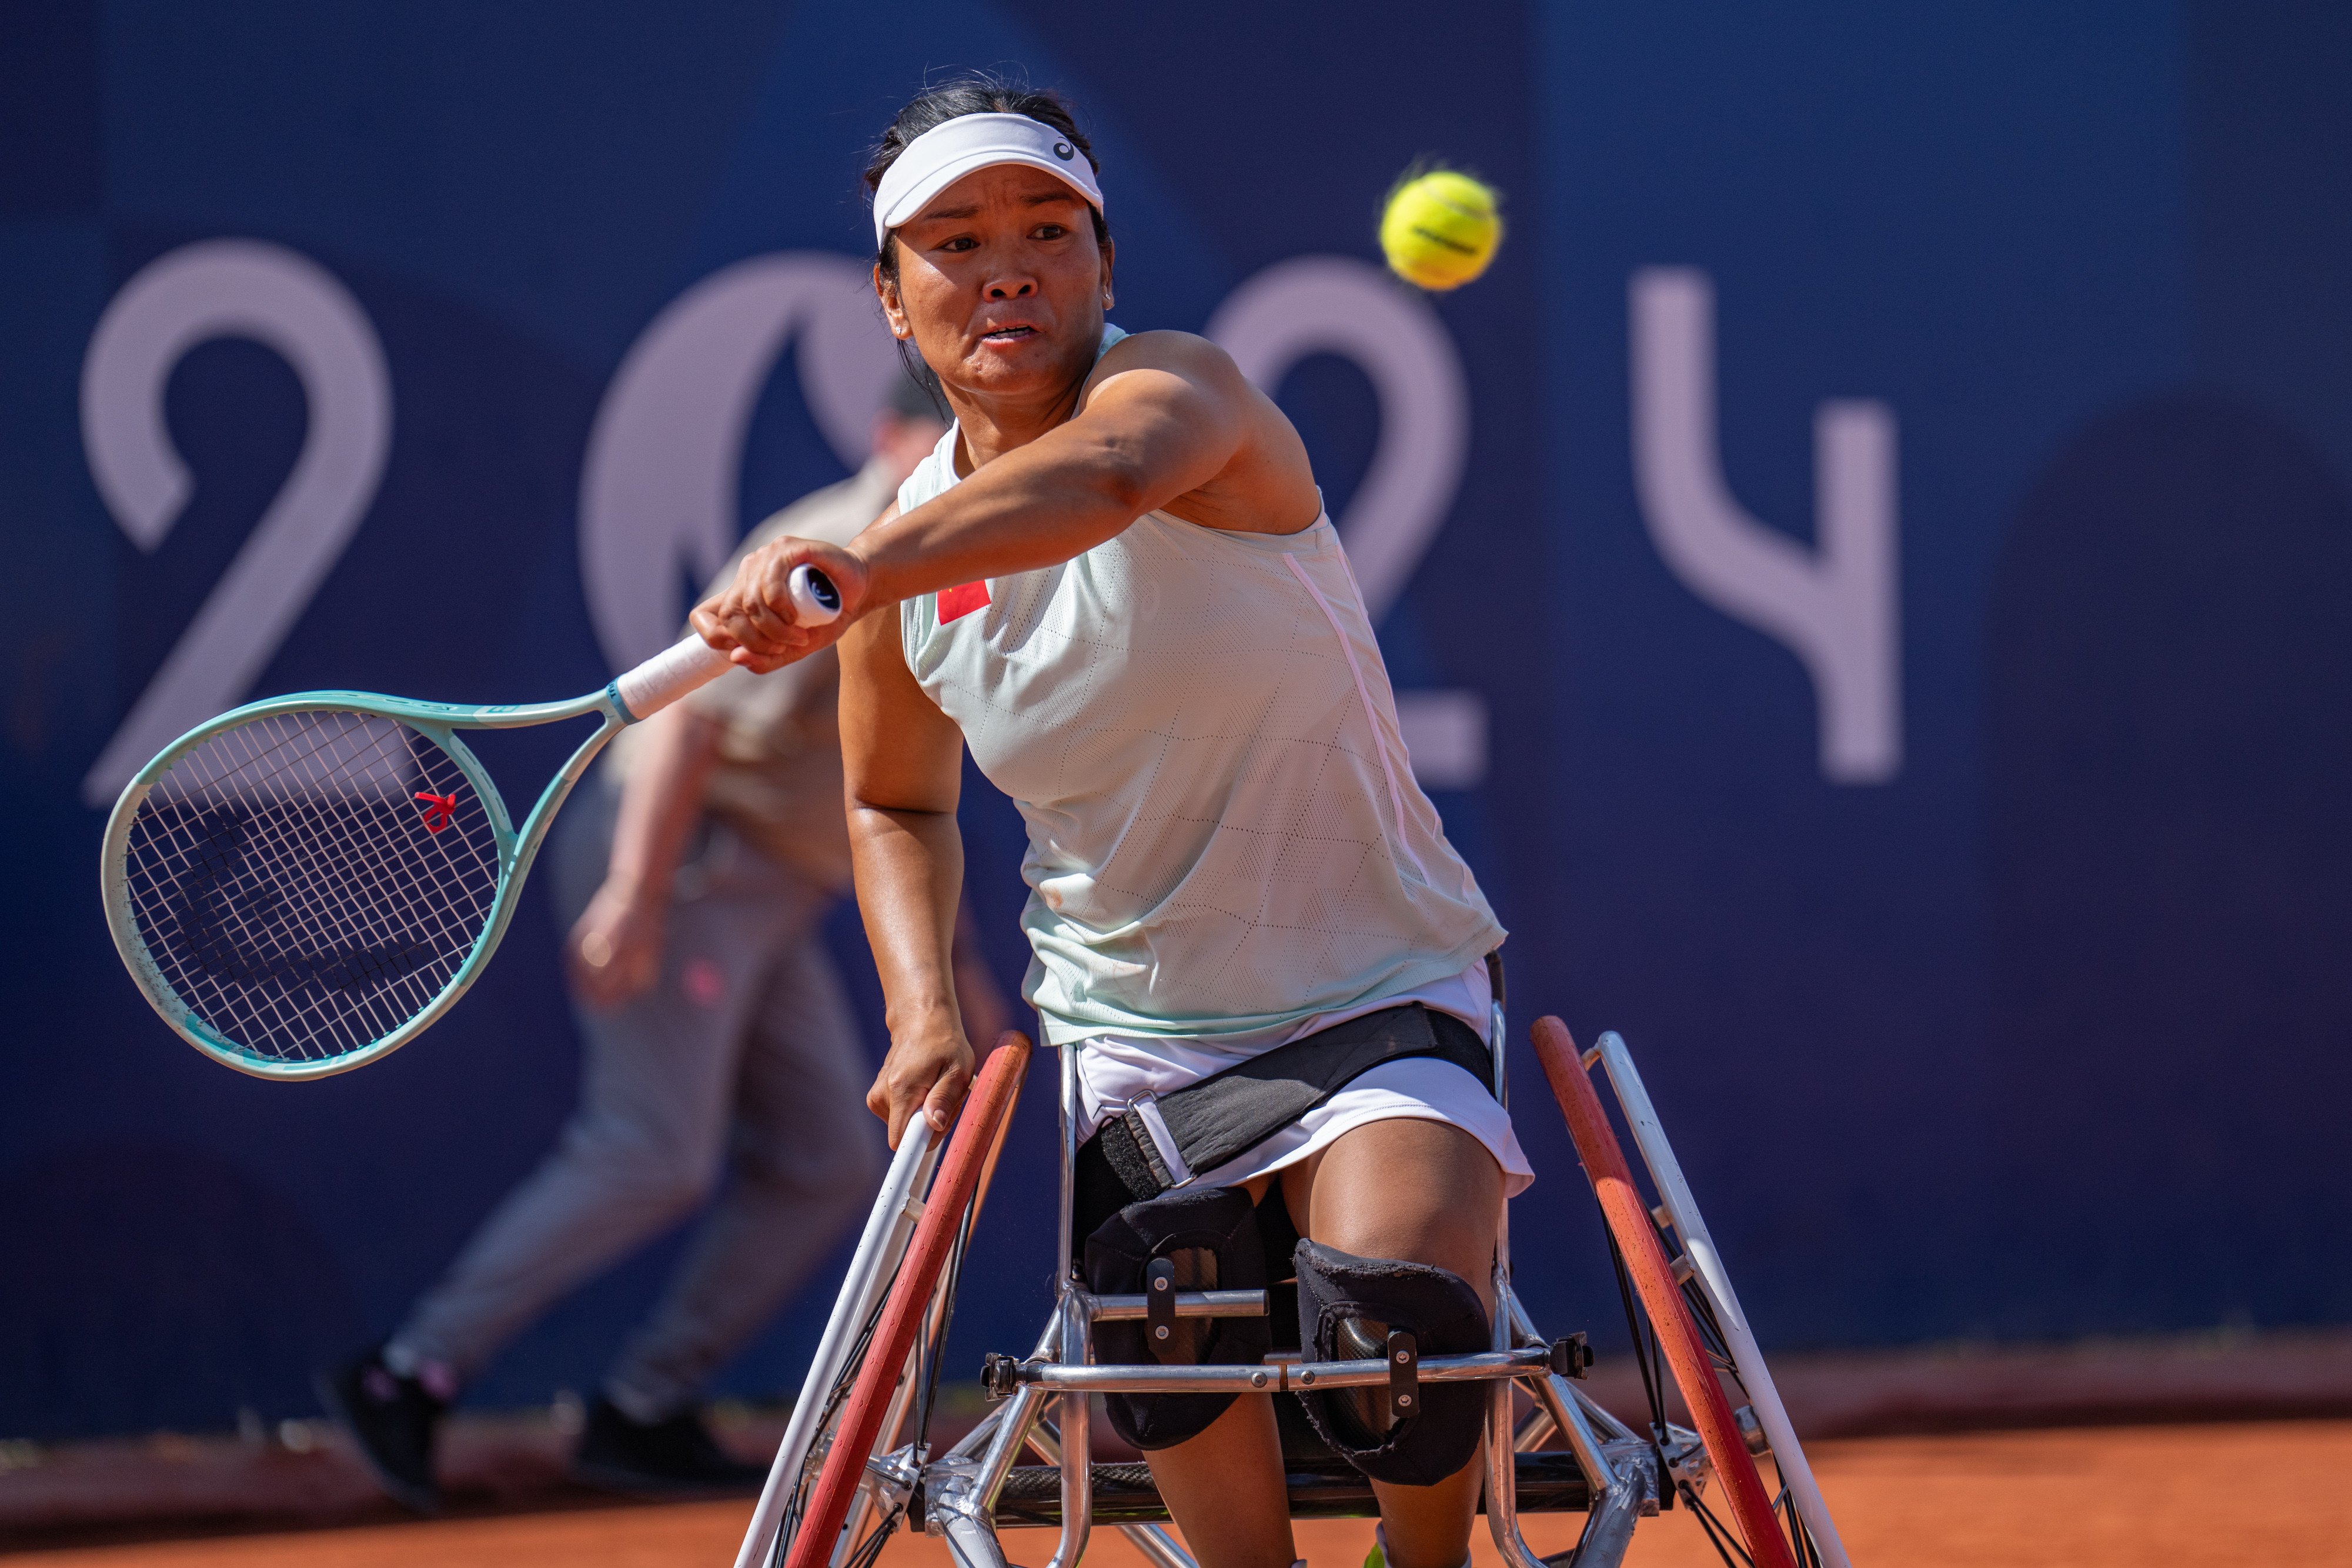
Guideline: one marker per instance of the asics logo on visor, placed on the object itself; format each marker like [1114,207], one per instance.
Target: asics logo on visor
[1065,151]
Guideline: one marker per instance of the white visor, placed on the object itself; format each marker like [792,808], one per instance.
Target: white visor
[946,153]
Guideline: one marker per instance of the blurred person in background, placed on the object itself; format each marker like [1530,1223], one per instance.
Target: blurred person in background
[721,1056]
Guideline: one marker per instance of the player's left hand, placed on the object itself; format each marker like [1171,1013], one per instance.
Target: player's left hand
[926,1073]
[752,620]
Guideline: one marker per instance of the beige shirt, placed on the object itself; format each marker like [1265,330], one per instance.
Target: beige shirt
[778,777]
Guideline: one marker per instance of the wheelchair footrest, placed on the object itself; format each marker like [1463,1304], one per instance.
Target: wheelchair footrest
[1548,1483]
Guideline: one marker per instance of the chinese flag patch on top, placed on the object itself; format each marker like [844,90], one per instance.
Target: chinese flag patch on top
[955,603]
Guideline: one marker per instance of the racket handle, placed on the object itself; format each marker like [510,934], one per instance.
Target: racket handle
[815,601]
[691,663]
[683,666]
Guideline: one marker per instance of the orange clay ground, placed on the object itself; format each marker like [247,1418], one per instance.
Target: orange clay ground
[2188,1497]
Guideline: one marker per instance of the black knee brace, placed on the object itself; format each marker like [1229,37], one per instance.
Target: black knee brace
[1348,1306]
[1211,1235]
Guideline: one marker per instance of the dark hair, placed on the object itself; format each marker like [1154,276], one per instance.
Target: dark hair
[981,92]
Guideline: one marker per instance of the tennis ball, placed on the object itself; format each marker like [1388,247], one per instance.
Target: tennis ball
[1440,229]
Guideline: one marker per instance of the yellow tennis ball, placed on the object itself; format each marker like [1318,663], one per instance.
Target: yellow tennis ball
[1440,229]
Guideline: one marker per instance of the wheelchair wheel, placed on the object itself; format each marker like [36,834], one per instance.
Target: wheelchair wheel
[1730,1343]
[848,1358]
[845,1496]
[1677,1328]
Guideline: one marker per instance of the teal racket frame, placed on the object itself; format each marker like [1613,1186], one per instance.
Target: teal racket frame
[437,722]
[637,693]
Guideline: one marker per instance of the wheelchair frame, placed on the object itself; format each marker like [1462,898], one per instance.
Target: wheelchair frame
[849,1469]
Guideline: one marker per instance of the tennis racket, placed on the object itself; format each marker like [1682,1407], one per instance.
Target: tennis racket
[306,884]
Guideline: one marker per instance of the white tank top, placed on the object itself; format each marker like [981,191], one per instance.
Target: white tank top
[1225,838]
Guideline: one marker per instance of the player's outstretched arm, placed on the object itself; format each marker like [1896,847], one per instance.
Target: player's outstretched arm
[1166,414]
[1165,419]
[903,766]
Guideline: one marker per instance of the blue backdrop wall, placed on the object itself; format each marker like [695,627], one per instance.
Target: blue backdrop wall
[1879,636]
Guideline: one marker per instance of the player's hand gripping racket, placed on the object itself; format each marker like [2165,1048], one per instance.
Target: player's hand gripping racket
[307,882]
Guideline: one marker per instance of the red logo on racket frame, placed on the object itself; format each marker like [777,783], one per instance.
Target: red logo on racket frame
[439,810]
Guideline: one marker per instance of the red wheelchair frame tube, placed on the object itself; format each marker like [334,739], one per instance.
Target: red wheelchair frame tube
[1653,1278]
[970,1152]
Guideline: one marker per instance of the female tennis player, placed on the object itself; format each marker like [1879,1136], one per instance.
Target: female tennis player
[1114,583]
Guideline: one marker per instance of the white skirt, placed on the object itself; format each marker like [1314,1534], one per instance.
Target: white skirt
[1113,1070]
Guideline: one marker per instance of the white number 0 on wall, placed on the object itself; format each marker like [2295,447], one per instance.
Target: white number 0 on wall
[658,499]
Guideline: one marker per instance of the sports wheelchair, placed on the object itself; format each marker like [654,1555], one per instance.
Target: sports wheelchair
[855,1463]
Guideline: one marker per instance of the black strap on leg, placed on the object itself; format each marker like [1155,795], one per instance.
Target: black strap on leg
[1408,1431]
[1203,1238]
[1164,1142]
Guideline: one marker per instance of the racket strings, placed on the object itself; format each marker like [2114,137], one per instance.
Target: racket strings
[383,953]
[250,932]
[306,882]
[228,939]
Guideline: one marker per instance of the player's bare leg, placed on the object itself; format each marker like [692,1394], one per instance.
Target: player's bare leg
[1224,1489]
[1422,1191]
[1427,1192]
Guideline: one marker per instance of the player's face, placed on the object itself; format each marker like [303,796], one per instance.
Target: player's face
[1002,287]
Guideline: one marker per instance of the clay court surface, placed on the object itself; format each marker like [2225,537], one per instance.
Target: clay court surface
[2185,1496]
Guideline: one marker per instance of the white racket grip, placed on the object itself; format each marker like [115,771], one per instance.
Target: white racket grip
[686,664]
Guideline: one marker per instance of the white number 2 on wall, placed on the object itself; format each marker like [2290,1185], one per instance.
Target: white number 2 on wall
[230,289]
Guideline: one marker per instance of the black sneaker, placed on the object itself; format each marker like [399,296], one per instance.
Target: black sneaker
[392,1419]
[659,1458]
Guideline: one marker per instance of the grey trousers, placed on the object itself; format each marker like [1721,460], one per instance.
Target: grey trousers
[741,1073]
